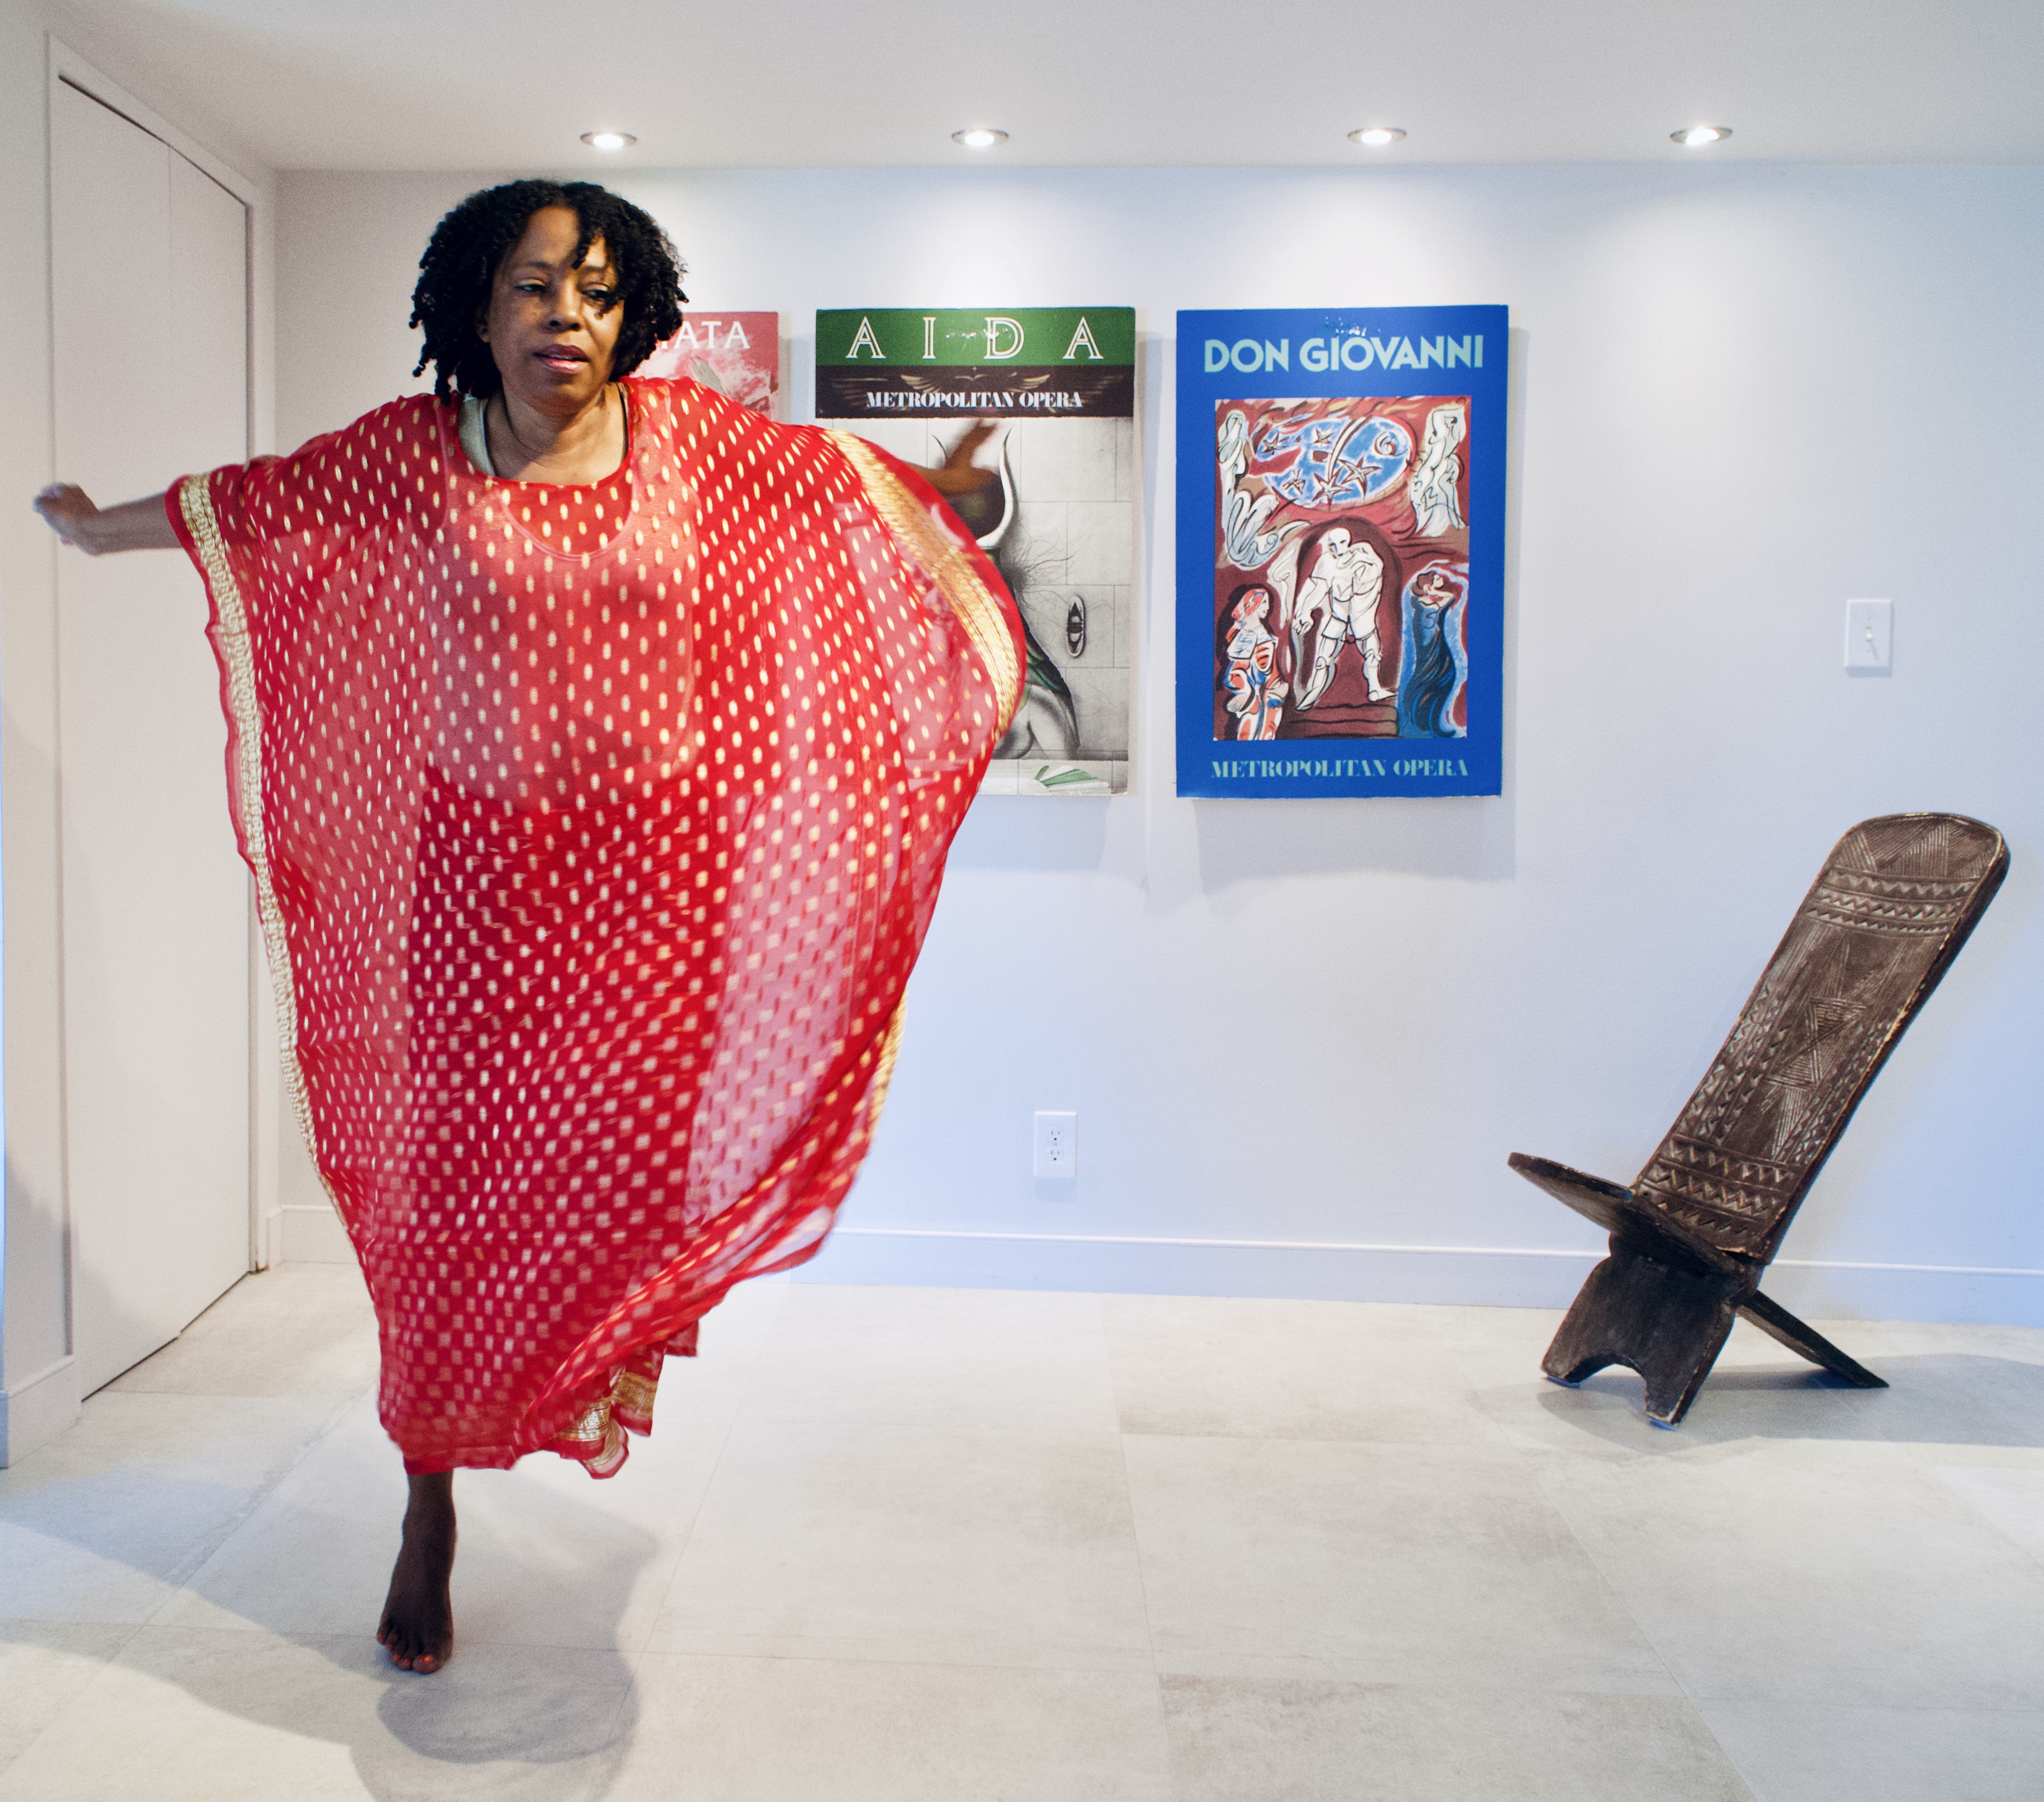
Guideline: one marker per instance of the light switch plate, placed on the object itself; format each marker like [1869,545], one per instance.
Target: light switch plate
[1869,636]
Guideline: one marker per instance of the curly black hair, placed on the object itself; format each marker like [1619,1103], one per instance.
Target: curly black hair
[461,262]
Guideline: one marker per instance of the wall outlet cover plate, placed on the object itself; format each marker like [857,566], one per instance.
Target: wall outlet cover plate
[1057,1146]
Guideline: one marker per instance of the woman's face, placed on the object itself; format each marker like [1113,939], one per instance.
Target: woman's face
[552,327]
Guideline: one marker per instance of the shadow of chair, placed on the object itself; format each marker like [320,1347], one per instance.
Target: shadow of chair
[1690,1238]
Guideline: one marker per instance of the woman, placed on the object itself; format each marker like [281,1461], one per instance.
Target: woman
[596,746]
[1435,664]
[1249,655]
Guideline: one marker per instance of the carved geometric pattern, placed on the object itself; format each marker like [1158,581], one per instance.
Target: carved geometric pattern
[1894,899]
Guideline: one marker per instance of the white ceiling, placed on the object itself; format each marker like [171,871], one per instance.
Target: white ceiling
[505,84]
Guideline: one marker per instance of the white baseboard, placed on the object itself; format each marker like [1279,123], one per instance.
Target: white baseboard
[1477,1276]
[35,1411]
[311,1235]
[1480,1276]
[1983,1294]
[1289,1269]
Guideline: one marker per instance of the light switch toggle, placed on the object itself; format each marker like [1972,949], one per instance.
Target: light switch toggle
[1870,637]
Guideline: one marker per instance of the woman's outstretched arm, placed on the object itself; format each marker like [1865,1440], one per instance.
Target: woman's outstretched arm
[134,525]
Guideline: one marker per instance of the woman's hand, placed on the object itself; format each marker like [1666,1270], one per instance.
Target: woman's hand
[956,475]
[69,512]
[134,525]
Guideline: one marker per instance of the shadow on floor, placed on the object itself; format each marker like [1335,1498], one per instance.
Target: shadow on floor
[510,1716]
[1933,1398]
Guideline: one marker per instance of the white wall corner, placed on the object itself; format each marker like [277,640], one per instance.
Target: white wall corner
[35,1411]
[268,1247]
[269,1117]
[311,1235]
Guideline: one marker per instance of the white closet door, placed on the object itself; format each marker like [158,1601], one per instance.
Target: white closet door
[148,280]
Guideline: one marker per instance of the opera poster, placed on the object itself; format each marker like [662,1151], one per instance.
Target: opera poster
[1060,519]
[1341,551]
[737,354]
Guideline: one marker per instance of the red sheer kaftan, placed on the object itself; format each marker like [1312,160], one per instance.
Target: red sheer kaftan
[595,832]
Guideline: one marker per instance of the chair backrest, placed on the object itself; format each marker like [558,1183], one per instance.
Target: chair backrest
[1896,900]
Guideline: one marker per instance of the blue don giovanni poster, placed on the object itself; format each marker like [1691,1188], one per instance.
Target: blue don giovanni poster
[1341,551]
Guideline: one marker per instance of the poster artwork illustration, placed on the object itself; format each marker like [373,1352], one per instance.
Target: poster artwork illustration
[737,354]
[1340,611]
[1341,568]
[1057,515]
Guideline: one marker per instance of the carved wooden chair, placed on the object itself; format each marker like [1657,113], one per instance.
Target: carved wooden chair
[1690,1238]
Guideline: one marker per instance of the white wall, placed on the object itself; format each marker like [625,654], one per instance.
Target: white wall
[1742,395]
[34,1328]
[38,1377]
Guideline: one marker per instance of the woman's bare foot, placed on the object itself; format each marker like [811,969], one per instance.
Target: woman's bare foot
[417,1627]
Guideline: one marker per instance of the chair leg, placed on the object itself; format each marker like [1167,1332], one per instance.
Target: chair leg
[1805,1341]
[1669,1324]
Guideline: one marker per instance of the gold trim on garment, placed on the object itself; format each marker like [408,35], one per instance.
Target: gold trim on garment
[889,1048]
[592,1426]
[634,1392]
[597,1429]
[596,1426]
[949,563]
[195,502]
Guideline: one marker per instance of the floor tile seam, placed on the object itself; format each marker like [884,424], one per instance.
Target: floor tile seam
[1618,1595]
[471,1642]
[687,1537]
[2030,1555]
[289,1636]
[1774,1698]
[976,1429]
[628,1693]
[209,1545]
[1473,1687]
[347,1399]
[106,1663]
[1133,1655]
[993,1666]
[1504,1453]
[1141,1574]
[1176,1780]
[662,1571]
[322,1637]
[956,1427]
[247,1629]
[770,1337]
[1493,1439]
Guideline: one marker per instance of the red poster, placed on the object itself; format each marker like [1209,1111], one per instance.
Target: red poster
[738,354]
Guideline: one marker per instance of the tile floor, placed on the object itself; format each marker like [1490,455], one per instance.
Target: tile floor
[935,1545]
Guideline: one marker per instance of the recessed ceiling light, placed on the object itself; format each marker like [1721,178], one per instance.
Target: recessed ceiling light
[608,140]
[979,137]
[1691,136]
[1375,136]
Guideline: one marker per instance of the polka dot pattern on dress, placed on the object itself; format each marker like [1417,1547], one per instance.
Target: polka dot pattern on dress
[597,830]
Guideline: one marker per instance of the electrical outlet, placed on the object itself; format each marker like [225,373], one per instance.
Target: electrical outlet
[1057,1145]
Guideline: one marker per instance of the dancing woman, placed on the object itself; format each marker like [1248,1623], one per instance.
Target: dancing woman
[596,746]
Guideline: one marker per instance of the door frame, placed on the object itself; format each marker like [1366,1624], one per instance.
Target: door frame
[66,68]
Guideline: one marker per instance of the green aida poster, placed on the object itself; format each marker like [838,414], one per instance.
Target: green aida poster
[1058,518]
